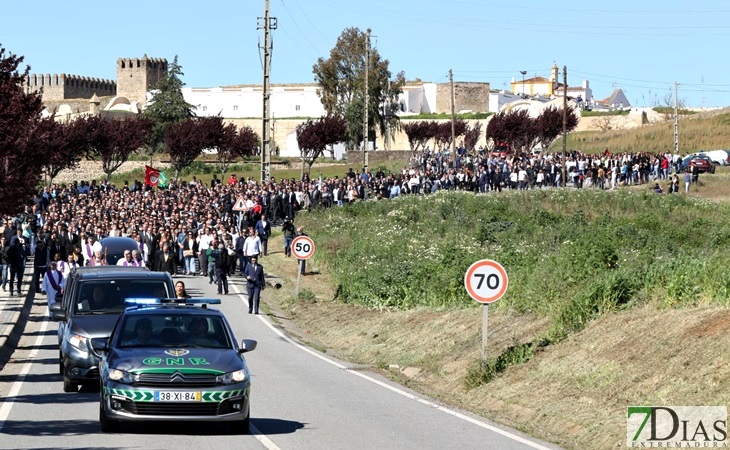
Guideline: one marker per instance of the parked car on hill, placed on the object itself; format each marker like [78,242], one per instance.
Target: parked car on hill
[719,157]
[703,163]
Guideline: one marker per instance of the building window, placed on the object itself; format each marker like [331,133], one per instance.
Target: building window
[205,108]
[235,107]
[297,107]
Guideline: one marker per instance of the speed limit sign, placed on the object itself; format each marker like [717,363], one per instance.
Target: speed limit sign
[486,281]
[302,247]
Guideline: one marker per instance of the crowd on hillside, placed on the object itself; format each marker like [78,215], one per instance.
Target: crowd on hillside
[195,228]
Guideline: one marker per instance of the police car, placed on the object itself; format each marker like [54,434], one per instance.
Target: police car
[171,361]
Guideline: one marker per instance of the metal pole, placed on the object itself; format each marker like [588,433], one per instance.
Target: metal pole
[266,130]
[485,329]
[299,280]
[453,115]
[676,120]
[367,100]
[523,72]
[565,123]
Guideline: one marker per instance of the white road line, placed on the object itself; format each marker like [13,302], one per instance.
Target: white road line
[255,432]
[457,414]
[17,385]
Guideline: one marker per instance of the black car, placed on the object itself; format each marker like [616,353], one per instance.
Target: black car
[114,248]
[171,361]
[93,300]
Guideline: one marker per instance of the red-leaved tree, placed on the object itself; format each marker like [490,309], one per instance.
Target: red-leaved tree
[420,132]
[114,141]
[64,142]
[550,124]
[235,144]
[471,136]
[314,136]
[186,140]
[21,157]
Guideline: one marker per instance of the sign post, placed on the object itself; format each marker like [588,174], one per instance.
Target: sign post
[486,281]
[302,247]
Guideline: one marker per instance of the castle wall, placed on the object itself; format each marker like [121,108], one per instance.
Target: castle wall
[60,87]
[467,97]
[135,77]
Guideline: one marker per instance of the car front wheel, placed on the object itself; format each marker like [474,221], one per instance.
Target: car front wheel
[107,425]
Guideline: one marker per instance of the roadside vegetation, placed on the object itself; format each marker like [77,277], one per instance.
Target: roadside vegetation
[696,133]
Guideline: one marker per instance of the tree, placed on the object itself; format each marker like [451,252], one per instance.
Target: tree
[21,156]
[341,78]
[471,136]
[167,106]
[515,128]
[314,136]
[419,133]
[186,140]
[114,141]
[64,143]
[550,124]
[443,133]
[234,144]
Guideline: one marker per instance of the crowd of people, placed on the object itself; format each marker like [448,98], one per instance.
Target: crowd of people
[215,229]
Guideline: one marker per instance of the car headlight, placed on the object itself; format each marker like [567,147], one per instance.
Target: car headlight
[121,376]
[232,377]
[78,341]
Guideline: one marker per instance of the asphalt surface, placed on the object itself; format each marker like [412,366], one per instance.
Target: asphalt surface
[301,398]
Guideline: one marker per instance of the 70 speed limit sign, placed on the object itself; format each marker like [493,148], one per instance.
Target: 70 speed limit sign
[486,281]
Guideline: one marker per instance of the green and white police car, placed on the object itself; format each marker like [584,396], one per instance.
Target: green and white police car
[170,361]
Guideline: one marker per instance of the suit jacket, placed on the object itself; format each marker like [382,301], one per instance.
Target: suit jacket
[257,276]
[168,266]
[264,231]
[69,242]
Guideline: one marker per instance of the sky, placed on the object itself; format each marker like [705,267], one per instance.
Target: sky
[642,47]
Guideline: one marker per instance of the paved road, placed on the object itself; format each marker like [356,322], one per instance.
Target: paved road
[301,399]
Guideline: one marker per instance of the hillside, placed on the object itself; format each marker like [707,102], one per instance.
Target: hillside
[651,327]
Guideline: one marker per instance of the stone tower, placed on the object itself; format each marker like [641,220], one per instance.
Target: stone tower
[136,77]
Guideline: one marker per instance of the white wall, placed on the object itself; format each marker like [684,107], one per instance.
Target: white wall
[247,101]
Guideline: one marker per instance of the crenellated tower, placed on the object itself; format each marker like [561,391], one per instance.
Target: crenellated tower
[136,77]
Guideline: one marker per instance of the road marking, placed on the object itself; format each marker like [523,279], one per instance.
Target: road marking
[255,432]
[431,404]
[17,385]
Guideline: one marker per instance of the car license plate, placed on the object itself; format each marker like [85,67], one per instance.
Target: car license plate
[177,396]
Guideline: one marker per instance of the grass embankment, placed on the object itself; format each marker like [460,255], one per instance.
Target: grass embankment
[615,299]
[696,133]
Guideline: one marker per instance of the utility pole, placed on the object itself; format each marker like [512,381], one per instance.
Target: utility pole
[676,120]
[453,115]
[269,23]
[367,100]
[564,180]
[386,115]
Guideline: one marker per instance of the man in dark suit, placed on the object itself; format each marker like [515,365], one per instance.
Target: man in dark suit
[165,260]
[255,282]
[263,228]
[69,239]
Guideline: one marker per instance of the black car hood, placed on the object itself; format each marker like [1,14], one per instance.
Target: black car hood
[93,325]
[175,359]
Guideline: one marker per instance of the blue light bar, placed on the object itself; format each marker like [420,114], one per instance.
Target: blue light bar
[143,301]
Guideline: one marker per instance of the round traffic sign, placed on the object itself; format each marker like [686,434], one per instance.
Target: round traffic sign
[486,281]
[302,247]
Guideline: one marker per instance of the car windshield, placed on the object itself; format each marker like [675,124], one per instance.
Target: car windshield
[107,296]
[173,330]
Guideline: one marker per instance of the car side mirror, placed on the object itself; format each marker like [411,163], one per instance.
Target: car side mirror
[98,345]
[58,313]
[247,345]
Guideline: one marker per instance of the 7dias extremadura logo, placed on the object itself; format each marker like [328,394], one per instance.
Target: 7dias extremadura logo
[676,427]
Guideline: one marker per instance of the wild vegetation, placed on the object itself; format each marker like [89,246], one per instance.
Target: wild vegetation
[572,256]
[696,133]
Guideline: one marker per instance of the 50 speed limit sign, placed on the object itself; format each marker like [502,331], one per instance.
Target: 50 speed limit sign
[486,281]
[302,247]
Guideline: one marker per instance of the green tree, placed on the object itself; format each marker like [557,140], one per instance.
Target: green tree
[341,78]
[167,106]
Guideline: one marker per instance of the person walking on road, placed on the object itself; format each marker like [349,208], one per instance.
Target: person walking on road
[53,283]
[255,282]
[222,265]
[263,228]
[16,261]
[4,261]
